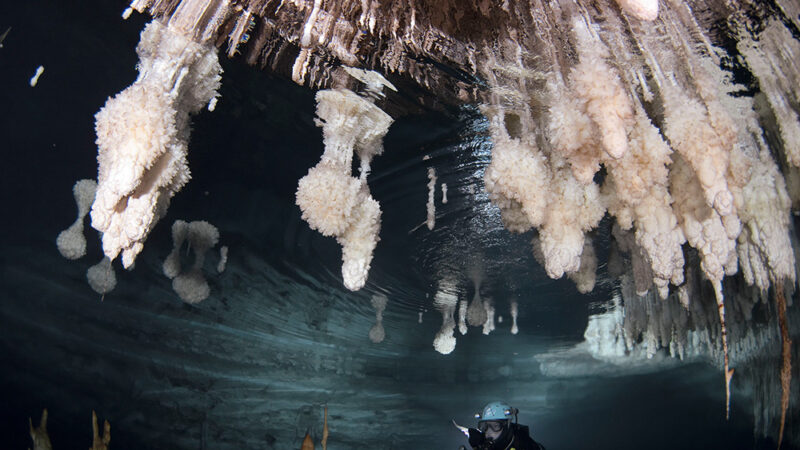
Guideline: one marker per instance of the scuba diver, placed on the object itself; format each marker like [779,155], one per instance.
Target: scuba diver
[497,431]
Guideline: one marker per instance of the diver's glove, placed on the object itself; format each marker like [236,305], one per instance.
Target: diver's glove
[476,438]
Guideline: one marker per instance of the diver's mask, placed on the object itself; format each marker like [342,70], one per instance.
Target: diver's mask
[492,428]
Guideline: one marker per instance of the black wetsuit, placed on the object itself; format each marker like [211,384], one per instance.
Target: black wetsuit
[516,438]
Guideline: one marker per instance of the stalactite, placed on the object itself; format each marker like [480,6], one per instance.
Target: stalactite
[431,206]
[101,276]
[325,432]
[786,358]
[71,242]
[462,317]
[488,325]
[476,312]
[190,285]
[724,338]
[332,201]
[514,311]
[223,259]
[585,277]
[377,333]
[142,137]
[445,301]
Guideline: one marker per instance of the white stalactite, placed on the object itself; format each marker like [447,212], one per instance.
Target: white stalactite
[765,250]
[637,195]
[585,277]
[445,301]
[223,259]
[101,276]
[190,285]
[600,92]
[332,201]
[514,313]
[142,137]
[377,333]
[691,133]
[462,317]
[71,242]
[488,325]
[431,206]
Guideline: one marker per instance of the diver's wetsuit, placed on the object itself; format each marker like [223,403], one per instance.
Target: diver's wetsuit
[516,438]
